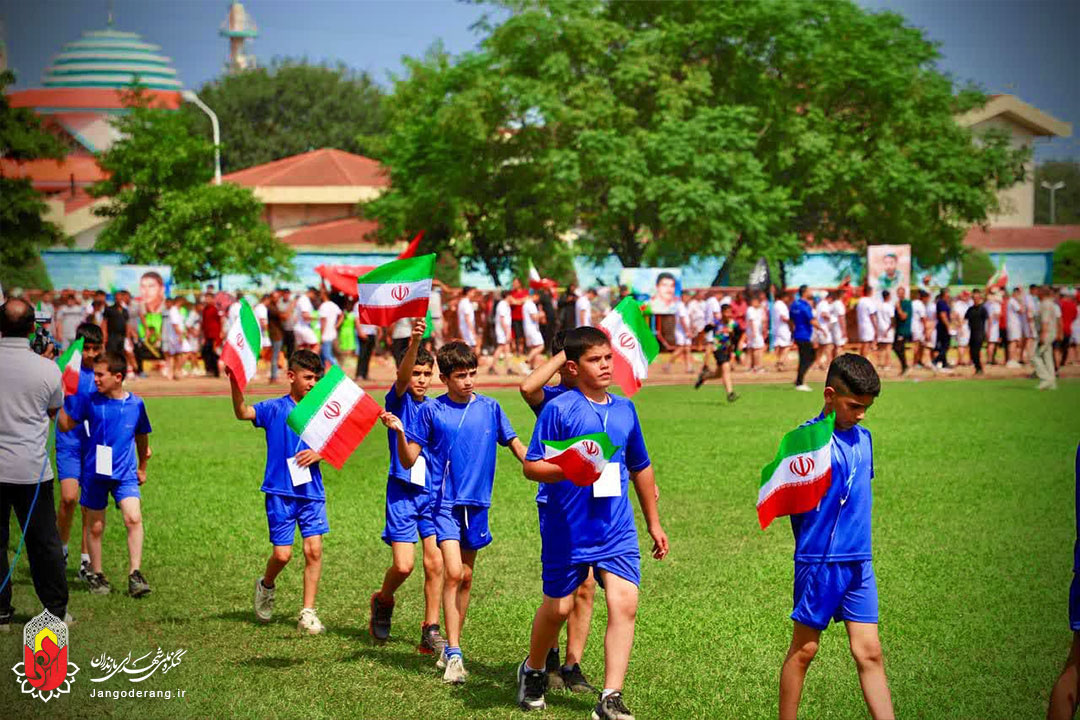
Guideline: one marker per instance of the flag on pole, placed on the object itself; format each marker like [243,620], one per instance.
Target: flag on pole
[633,344]
[334,417]
[582,459]
[800,474]
[536,282]
[1000,278]
[242,345]
[397,289]
[69,363]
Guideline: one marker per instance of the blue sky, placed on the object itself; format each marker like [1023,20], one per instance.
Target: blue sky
[1025,47]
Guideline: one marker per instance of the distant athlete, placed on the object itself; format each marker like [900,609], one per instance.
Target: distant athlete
[726,338]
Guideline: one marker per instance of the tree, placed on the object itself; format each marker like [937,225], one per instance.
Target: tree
[163,209]
[1066,200]
[1067,262]
[288,108]
[24,231]
[976,268]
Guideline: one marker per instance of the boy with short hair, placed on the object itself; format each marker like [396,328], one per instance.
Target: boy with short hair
[834,571]
[409,504]
[292,483]
[591,526]
[727,337]
[115,462]
[459,430]
[72,447]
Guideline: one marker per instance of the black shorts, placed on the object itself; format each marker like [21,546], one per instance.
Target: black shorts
[721,356]
[518,328]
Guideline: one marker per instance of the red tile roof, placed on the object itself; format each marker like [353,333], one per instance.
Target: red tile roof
[318,168]
[55,174]
[1040,238]
[84,98]
[349,231]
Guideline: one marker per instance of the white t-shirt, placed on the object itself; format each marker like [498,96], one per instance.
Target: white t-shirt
[839,311]
[262,314]
[885,313]
[918,318]
[329,313]
[503,322]
[465,310]
[304,306]
[755,320]
[696,308]
[528,322]
[232,315]
[401,329]
[824,312]
[781,329]
[865,310]
[583,309]
[435,303]
[682,315]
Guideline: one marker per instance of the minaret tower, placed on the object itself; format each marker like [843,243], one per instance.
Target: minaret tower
[239,28]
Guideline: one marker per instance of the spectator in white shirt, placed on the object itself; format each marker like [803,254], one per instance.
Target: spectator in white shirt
[330,319]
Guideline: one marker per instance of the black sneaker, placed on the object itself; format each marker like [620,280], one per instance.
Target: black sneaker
[700,380]
[137,585]
[97,583]
[431,640]
[531,687]
[574,680]
[381,613]
[732,396]
[84,570]
[612,708]
[551,667]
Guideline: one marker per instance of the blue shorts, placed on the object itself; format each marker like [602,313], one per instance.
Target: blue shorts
[835,591]
[284,513]
[1074,604]
[68,463]
[94,492]
[468,524]
[408,512]
[562,581]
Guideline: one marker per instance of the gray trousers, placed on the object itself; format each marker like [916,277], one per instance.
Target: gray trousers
[1043,360]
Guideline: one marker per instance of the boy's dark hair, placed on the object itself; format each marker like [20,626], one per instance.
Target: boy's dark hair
[851,374]
[424,357]
[114,361]
[802,289]
[306,360]
[578,340]
[885,294]
[558,342]
[664,276]
[90,333]
[456,355]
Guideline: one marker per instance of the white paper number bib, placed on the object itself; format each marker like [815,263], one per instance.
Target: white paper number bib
[299,475]
[418,473]
[610,482]
[103,461]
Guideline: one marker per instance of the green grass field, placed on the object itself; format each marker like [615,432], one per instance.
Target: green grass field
[973,533]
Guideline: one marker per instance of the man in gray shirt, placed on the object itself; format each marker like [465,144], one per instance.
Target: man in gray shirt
[32,394]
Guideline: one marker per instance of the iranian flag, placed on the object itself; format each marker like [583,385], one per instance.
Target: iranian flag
[334,417]
[69,363]
[633,344]
[241,354]
[536,282]
[1000,278]
[581,459]
[800,474]
[397,289]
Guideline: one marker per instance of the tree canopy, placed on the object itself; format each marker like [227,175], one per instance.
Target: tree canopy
[288,108]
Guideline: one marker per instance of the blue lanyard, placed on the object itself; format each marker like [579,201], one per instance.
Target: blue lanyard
[607,409]
[450,448]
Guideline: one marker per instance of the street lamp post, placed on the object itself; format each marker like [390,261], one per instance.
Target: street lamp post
[191,97]
[1053,188]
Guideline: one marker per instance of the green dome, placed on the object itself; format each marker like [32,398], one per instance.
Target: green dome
[111,59]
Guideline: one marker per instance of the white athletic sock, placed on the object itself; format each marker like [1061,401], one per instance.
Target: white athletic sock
[65,550]
[530,669]
[84,557]
[605,693]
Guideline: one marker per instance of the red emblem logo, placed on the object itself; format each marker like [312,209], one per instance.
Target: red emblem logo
[240,340]
[332,409]
[627,340]
[801,465]
[400,292]
[590,447]
[45,672]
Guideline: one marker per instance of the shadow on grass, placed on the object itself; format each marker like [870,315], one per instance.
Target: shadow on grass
[247,617]
[272,663]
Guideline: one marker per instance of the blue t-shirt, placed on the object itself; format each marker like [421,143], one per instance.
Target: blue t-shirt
[407,408]
[461,437]
[578,527]
[76,439]
[802,315]
[114,423]
[550,392]
[942,306]
[838,531]
[281,444]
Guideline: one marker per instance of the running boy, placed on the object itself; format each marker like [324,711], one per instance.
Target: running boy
[292,482]
[115,462]
[537,393]
[71,449]
[834,571]
[408,504]
[459,430]
[726,336]
[593,526]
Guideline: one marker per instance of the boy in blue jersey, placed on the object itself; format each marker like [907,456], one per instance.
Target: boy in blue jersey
[590,527]
[834,571]
[536,392]
[72,446]
[459,430]
[118,450]
[292,482]
[409,504]
[1065,696]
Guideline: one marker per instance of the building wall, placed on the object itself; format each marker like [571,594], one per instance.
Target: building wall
[1017,202]
[284,216]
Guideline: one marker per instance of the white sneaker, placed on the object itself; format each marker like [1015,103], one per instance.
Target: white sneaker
[441,662]
[309,622]
[455,671]
[803,388]
[264,601]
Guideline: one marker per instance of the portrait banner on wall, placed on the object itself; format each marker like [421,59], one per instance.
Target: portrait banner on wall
[661,285]
[149,285]
[888,267]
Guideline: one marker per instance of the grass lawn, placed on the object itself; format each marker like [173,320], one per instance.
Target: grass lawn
[973,533]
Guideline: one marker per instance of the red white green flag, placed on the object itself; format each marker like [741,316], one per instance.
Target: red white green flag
[633,344]
[334,417]
[1000,277]
[69,363]
[582,459]
[397,289]
[242,345]
[800,474]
